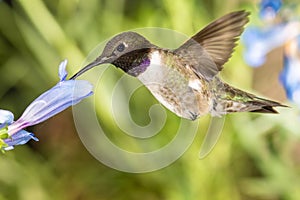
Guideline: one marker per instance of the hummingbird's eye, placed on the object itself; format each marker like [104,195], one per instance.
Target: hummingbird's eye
[120,47]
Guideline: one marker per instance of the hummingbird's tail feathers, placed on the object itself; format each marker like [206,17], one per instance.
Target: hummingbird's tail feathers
[266,109]
[267,106]
[228,99]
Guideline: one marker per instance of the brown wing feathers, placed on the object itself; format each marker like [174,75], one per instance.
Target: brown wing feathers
[219,38]
[210,48]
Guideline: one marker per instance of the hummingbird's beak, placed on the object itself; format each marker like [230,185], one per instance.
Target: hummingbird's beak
[100,60]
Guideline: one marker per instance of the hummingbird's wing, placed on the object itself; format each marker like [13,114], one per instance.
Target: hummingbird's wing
[216,41]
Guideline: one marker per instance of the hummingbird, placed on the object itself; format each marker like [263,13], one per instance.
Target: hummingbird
[185,80]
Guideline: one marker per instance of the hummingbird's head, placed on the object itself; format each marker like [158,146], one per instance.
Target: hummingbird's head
[121,51]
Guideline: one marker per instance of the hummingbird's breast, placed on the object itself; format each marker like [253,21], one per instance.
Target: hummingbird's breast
[175,85]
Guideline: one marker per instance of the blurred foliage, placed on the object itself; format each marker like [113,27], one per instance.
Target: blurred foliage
[257,157]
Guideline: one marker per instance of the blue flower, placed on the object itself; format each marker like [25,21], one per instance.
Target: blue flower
[6,117]
[19,138]
[290,75]
[269,8]
[63,95]
[260,41]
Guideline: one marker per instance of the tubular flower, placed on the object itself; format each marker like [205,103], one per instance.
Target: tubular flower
[63,95]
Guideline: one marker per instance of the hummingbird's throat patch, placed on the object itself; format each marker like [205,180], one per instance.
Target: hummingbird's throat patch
[135,71]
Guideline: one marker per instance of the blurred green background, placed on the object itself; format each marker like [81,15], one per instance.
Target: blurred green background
[257,156]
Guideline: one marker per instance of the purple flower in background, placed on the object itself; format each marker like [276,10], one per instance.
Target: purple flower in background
[260,41]
[63,95]
[269,8]
[280,27]
[290,75]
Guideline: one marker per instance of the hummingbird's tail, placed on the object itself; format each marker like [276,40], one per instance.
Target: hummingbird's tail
[227,99]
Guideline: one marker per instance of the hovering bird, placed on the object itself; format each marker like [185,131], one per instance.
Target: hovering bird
[185,80]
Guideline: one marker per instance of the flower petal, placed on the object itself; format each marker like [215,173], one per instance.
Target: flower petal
[6,117]
[62,72]
[19,138]
[53,101]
